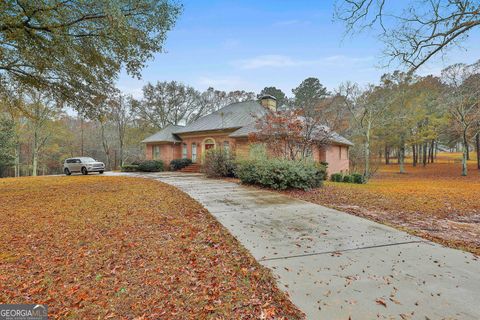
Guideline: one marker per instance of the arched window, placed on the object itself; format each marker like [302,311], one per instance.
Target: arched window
[209,144]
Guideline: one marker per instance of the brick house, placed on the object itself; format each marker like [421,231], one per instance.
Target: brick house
[229,128]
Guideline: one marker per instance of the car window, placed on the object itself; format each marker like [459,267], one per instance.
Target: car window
[78,161]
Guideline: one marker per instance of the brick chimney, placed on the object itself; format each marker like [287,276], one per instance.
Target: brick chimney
[269,102]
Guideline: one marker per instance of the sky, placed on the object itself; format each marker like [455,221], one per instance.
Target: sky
[248,45]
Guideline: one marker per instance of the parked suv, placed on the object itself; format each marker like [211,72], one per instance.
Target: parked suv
[83,165]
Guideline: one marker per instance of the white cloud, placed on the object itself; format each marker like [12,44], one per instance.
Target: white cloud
[281,61]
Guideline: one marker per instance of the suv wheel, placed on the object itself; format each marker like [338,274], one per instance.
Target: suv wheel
[67,172]
[101,172]
[84,171]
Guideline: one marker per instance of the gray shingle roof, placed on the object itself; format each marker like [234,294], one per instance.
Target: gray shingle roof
[241,116]
[251,128]
[235,115]
[335,137]
[244,131]
[165,135]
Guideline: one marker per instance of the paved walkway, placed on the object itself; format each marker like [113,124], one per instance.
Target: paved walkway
[335,265]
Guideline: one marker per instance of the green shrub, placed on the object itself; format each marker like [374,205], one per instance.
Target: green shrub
[281,174]
[358,178]
[177,164]
[219,163]
[336,177]
[129,168]
[347,178]
[151,166]
[258,151]
[322,167]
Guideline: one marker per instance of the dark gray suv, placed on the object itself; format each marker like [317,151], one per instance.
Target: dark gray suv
[83,165]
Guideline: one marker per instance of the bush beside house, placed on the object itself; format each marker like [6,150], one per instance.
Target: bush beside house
[129,168]
[177,164]
[144,166]
[281,174]
[353,178]
[219,163]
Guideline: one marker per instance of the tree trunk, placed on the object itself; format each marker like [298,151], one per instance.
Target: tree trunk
[477,144]
[418,149]
[34,164]
[121,151]
[81,136]
[429,151]
[106,147]
[35,153]
[402,158]
[424,158]
[465,154]
[432,151]
[387,155]
[366,173]
[414,155]
[17,159]
[467,147]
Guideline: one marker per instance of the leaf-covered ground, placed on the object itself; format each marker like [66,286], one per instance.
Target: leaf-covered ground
[122,248]
[434,202]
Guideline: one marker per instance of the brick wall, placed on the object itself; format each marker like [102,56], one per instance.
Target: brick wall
[336,156]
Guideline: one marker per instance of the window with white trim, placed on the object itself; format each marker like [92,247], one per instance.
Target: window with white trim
[226,146]
[156,152]
[184,151]
[194,152]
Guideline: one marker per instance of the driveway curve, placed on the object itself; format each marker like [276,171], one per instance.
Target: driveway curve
[338,266]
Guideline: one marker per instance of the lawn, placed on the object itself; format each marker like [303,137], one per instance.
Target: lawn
[114,247]
[434,202]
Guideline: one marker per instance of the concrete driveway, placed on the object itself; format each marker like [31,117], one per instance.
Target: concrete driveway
[338,266]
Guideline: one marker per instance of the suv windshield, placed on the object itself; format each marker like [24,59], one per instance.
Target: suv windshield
[87,160]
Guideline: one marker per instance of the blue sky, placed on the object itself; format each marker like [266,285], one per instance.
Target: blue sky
[247,45]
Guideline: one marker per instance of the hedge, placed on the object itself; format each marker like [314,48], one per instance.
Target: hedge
[353,178]
[130,168]
[281,174]
[150,166]
[177,164]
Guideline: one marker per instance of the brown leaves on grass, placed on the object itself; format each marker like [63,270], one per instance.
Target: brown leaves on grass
[434,202]
[112,247]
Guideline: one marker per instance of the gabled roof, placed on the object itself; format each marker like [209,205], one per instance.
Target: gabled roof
[235,115]
[332,136]
[165,135]
[241,116]
[336,138]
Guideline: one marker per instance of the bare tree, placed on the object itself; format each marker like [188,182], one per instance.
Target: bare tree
[367,109]
[39,110]
[167,103]
[420,31]
[462,98]
[120,110]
